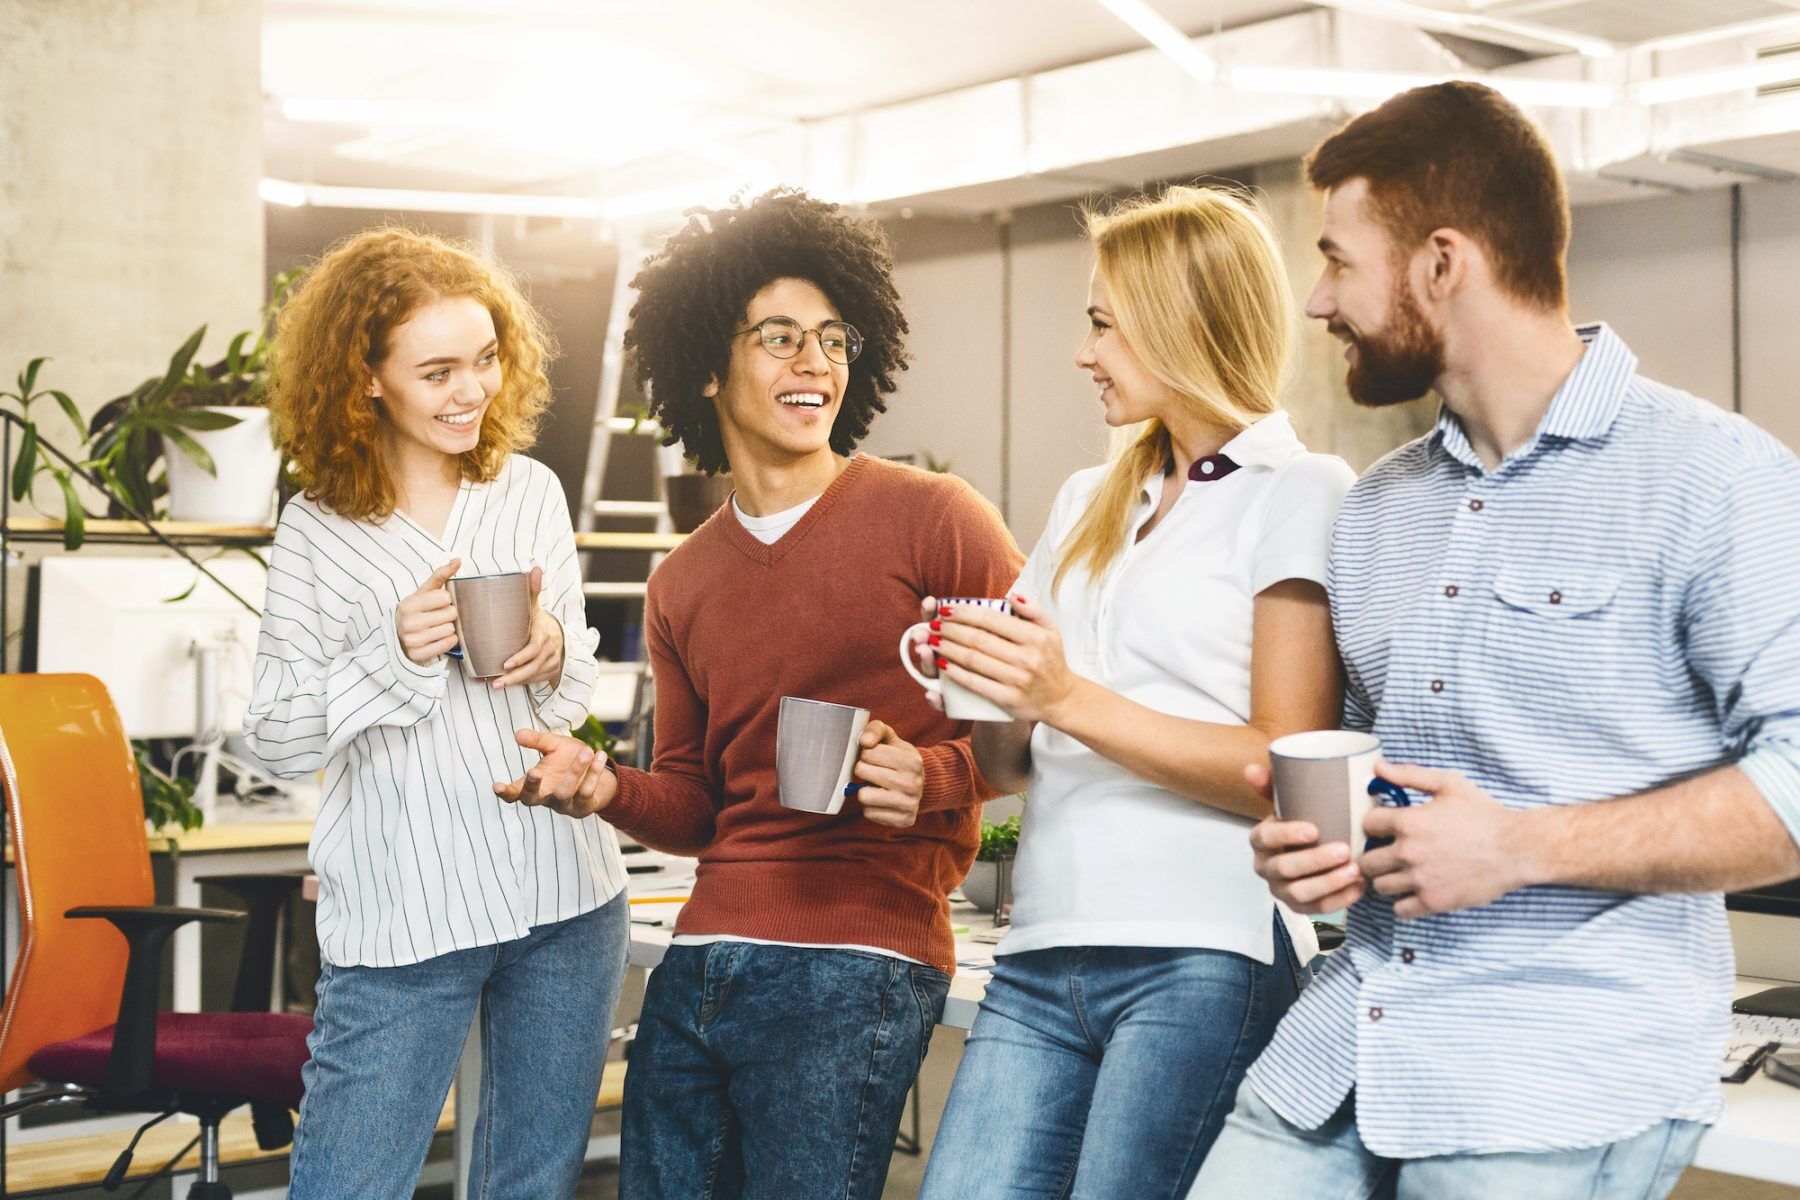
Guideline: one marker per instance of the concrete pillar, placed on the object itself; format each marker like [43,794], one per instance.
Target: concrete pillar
[130,150]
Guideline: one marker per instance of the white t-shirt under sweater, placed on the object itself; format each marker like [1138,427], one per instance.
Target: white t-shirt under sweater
[768,530]
[1107,858]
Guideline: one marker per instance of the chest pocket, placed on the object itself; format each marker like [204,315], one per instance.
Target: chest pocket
[1557,633]
[1558,593]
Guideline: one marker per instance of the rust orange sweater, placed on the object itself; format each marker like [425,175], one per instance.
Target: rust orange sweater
[734,625]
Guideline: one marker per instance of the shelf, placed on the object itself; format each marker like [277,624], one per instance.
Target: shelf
[112,532]
[626,590]
[628,541]
[46,529]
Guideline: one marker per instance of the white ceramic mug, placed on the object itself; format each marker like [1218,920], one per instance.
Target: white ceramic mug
[817,744]
[960,704]
[1328,777]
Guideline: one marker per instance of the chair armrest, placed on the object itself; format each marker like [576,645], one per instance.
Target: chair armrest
[265,896]
[147,929]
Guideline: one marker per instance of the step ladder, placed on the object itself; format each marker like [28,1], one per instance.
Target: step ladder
[608,424]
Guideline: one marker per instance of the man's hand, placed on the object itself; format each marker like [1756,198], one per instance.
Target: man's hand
[1016,660]
[893,774]
[1463,850]
[569,778]
[426,620]
[1307,877]
[541,661]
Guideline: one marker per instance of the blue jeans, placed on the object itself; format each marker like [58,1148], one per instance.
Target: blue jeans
[1104,1071]
[773,1072]
[1261,1155]
[386,1041]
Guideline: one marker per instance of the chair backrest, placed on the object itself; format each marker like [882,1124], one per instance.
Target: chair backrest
[77,823]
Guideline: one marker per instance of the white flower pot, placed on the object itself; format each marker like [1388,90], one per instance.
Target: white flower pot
[243,491]
[980,884]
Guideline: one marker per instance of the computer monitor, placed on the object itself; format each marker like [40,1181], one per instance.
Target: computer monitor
[136,624]
[1777,900]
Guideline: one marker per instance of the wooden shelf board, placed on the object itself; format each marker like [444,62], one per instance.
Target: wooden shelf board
[84,1160]
[50,529]
[628,541]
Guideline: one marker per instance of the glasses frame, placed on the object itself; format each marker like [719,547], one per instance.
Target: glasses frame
[800,343]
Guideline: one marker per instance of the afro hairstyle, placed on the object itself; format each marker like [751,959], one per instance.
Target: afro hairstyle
[692,296]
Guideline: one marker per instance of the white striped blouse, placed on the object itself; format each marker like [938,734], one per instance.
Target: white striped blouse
[415,854]
[1611,609]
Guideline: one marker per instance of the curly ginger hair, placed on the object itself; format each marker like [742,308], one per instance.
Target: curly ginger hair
[333,333]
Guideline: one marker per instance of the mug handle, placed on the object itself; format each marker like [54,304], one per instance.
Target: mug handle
[934,686]
[1387,795]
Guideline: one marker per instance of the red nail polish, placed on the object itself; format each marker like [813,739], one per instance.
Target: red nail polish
[936,625]
[934,640]
[943,610]
[943,662]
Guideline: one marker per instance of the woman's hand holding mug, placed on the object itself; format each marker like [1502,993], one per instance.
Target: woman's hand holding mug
[541,661]
[1011,658]
[426,620]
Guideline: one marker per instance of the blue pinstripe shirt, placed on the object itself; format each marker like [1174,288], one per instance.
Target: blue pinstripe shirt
[1615,606]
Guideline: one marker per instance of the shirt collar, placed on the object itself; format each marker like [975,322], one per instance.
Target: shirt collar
[1270,442]
[1583,408]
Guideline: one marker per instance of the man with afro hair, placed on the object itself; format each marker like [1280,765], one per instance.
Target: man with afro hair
[782,1031]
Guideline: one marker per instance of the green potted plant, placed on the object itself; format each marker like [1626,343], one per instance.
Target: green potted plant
[168,799]
[32,459]
[215,414]
[998,841]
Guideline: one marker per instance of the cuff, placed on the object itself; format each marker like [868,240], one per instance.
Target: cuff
[429,680]
[951,778]
[1774,767]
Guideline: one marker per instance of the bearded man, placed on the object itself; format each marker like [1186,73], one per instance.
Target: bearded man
[1568,613]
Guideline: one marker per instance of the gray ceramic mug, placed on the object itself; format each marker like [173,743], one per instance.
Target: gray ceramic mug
[816,747]
[493,619]
[1328,777]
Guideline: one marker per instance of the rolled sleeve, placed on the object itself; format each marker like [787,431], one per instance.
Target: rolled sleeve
[1742,619]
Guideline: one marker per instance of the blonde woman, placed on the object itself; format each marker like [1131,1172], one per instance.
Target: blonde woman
[1171,622]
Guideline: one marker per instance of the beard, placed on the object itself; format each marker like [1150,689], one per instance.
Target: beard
[1402,362]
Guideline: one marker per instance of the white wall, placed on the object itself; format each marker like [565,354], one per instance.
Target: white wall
[1659,272]
[1770,319]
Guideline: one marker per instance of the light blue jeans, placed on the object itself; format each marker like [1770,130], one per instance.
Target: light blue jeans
[1261,1155]
[385,1045]
[1104,1072]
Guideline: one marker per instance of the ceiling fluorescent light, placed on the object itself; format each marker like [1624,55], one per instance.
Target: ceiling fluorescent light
[1378,85]
[280,191]
[1780,69]
[1156,29]
[1473,25]
[1721,33]
[389,112]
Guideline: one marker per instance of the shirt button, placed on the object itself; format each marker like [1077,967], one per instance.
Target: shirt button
[1375,1013]
[1406,955]
[1474,506]
[1206,468]
[1437,685]
[1556,597]
[1451,591]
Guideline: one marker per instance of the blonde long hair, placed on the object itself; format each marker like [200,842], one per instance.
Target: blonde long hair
[1197,286]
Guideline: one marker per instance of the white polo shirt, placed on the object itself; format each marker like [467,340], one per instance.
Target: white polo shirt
[1107,858]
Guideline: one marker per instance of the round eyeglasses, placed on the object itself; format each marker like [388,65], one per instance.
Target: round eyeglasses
[783,337]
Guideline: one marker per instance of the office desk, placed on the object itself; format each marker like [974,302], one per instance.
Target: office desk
[224,848]
[1758,1137]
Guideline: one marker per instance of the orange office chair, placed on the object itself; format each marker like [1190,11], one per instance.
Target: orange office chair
[81,1006]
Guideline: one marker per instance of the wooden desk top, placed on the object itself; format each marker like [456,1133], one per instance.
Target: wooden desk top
[233,835]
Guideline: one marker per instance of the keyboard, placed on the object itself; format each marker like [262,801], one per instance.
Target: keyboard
[1752,1038]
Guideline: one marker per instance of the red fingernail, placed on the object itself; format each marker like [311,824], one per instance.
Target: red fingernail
[934,640]
[936,625]
[943,610]
[943,662]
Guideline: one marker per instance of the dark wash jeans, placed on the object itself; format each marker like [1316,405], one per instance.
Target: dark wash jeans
[1105,1072]
[773,1072]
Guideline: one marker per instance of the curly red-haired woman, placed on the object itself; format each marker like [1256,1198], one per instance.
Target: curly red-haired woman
[409,374]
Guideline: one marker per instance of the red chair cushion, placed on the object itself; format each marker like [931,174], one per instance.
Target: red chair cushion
[254,1055]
